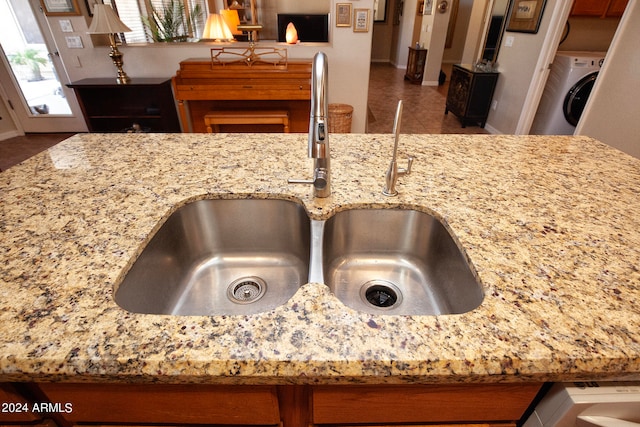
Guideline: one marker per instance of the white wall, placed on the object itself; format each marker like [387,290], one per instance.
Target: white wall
[523,72]
[591,34]
[475,32]
[433,36]
[382,37]
[349,57]
[453,54]
[405,34]
[611,114]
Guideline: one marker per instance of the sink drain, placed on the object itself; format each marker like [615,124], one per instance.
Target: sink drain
[381,294]
[246,290]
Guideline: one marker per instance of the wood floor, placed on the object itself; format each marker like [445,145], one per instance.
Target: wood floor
[423,113]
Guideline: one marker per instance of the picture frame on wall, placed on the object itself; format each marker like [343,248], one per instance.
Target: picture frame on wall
[60,7]
[343,14]
[525,16]
[361,21]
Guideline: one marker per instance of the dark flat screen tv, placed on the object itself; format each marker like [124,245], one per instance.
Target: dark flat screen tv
[310,28]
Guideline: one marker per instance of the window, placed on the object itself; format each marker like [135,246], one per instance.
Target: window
[135,12]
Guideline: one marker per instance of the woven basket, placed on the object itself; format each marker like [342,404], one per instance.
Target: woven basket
[340,118]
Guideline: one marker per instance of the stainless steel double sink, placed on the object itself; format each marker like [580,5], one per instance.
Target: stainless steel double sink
[246,256]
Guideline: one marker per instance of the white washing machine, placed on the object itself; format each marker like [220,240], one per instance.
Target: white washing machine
[568,87]
[592,404]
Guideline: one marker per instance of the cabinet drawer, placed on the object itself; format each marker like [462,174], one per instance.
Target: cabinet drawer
[167,404]
[470,403]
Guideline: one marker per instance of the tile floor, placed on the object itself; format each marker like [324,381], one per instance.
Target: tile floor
[423,112]
[423,106]
[15,150]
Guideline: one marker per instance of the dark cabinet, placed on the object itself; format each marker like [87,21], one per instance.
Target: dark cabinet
[415,65]
[145,104]
[470,94]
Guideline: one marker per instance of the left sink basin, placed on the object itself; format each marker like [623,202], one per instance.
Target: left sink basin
[219,257]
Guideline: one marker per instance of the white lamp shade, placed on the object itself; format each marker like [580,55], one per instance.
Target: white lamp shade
[216,28]
[105,21]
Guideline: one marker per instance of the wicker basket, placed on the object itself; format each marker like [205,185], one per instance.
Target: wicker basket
[340,118]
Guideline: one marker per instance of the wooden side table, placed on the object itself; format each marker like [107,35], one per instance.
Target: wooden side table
[415,65]
[470,93]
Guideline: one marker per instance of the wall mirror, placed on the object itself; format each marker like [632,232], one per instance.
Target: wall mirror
[494,29]
[379,10]
[268,11]
[133,13]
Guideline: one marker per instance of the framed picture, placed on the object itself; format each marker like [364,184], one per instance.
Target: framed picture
[60,7]
[361,21]
[525,16]
[343,14]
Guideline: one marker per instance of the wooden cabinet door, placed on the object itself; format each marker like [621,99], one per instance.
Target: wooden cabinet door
[601,8]
[589,8]
[616,8]
[166,404]
[470,403]
[459,91]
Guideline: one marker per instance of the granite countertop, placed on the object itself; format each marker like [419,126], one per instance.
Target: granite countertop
[550,225]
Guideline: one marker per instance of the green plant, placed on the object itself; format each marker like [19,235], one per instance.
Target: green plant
[32,59]
[173,22]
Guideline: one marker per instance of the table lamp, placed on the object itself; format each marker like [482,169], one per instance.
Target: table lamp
[216,29]
[105,21]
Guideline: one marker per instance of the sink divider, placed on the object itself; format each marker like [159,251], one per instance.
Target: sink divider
[316,273]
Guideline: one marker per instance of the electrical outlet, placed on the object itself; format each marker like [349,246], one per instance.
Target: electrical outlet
[494,105]
[508,41]
[74,42]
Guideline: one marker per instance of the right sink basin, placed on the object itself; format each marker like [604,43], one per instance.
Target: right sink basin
[397,261]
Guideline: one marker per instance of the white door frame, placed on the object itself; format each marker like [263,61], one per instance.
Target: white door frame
[24,120]
[559,16]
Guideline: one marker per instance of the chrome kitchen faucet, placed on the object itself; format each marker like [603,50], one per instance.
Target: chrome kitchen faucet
[319,129]
[394,172]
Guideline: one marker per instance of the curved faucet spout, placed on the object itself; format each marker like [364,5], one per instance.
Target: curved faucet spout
[319,149]
[318,130]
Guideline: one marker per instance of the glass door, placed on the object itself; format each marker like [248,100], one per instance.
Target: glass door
[31,71]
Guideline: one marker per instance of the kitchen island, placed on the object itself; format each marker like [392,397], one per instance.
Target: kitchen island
[549,224]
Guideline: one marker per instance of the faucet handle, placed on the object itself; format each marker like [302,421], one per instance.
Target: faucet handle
[407,170]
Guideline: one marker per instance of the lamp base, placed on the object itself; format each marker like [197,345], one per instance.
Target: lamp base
[116,57]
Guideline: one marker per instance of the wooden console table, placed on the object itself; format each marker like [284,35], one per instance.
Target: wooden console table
[470,93]
[201,87]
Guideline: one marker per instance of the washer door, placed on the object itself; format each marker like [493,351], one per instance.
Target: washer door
[577,97]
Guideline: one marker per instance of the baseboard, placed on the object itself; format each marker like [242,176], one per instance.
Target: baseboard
[491,129]
[10,134]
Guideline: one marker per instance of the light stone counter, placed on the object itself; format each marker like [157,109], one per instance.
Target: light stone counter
[551,225]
